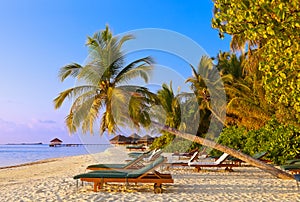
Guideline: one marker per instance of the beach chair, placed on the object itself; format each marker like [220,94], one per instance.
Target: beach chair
[218,163]
[147,174]
[292,168]
[155,153]
[186,154]
[137,154]
[133,164]
[258,156]
[183,162]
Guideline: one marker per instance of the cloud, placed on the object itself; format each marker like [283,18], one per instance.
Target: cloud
[34,130]
[47,121]
[7,126]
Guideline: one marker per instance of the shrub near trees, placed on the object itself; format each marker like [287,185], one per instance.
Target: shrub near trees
[281,142]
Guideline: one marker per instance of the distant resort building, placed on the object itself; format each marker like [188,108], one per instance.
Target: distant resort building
[119,140]
[55,142]
[132,139]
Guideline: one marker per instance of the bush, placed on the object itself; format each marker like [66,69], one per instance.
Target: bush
[282,142]
[232,137]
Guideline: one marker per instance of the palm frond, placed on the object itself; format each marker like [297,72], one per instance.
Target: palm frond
[69,70]
[140,67]
[124,39]
[72,92]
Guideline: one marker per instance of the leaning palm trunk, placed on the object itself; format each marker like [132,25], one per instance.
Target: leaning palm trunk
[254,162]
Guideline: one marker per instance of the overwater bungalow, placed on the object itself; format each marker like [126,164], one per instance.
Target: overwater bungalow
[55,142]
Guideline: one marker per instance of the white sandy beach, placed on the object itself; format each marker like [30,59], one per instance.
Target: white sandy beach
[52,180]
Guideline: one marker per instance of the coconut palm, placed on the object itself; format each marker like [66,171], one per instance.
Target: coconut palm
[168,111]
[103,84]
[205,83]
[247,105]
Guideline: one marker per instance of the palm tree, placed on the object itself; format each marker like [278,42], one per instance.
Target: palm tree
[169,113]
[104,79]
[247,105]
[205,83]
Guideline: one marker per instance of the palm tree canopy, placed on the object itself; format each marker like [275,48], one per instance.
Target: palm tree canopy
[104,76]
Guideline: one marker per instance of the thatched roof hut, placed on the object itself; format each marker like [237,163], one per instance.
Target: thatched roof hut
[119,139]
[55,142]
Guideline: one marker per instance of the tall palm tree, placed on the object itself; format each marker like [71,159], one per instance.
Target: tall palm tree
[104,78]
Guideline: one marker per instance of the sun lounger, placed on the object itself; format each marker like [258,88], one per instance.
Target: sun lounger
[186,154]
[182,162]
[258,156]
[156,153]
[133,164]
[292,165]
[293,168]
[218,163]
[147,174]
[137,154]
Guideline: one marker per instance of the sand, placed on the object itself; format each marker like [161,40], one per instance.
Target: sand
[52,180]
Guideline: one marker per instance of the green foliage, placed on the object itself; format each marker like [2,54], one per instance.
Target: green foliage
[272,28]
[232,137]
[282,142]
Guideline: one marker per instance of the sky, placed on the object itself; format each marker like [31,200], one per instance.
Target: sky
[38,37]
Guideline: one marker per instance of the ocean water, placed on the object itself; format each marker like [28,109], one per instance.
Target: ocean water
[11,155]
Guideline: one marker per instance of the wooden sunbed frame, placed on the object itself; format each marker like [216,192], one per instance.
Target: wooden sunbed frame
[155,177]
